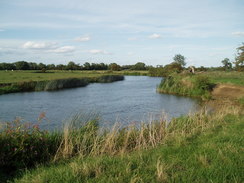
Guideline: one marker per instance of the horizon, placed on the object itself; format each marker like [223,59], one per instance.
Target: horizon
[152,32]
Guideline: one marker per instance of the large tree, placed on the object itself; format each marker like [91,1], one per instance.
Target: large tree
[240,56]
[180,59]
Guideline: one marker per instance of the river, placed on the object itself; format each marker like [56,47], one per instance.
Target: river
[132,100]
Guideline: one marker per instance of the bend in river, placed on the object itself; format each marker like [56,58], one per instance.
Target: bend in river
[132,100]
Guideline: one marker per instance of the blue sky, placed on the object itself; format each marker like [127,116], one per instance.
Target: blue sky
[125,31]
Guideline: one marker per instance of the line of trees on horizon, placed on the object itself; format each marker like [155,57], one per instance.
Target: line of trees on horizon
[178,65]
[24,65]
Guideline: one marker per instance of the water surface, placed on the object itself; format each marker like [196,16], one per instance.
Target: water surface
[130,101]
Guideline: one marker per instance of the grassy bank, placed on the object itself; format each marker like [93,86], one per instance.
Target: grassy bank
[187,85]
[198,148]
[200,84]
[56,84]
[10,77]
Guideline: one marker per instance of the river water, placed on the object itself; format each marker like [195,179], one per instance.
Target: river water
[132,100]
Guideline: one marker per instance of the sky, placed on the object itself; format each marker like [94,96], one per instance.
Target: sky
[125,31]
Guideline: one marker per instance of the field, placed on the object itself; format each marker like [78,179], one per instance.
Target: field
[220,77]
[25,76]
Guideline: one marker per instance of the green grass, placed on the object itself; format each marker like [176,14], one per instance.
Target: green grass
[196,149]
[29,81]
[187,85]
[25,76]
[231,77]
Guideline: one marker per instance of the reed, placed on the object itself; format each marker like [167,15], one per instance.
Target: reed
[57,84]
[197,148]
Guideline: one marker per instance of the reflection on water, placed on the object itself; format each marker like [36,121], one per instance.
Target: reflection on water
[132,100]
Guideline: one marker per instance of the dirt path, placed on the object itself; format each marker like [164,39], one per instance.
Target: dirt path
[228,91]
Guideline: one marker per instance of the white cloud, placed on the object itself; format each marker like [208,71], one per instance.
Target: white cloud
[39,45]
[48,46]
[238,33]
[155,36]
[63,49]
[83,38]
[96,51]
[1,30]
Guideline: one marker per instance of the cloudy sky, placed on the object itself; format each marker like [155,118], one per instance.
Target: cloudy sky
[125,31]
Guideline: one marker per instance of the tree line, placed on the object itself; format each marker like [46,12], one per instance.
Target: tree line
[24,65]
[178,65]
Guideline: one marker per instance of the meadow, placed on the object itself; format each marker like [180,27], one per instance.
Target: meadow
[7,77]
[204,147]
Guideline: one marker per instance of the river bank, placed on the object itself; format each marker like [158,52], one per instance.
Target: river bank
[196,148]
[56,84]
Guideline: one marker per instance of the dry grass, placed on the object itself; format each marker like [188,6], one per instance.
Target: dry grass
[90,141]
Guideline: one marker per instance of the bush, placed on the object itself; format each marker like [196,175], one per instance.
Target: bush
[24,145]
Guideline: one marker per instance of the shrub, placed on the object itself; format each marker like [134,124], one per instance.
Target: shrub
[24,145]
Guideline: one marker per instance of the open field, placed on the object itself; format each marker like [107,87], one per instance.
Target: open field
[220,77]
[25,76]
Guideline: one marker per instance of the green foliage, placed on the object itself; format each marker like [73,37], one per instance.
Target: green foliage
[203,148]
[139,66]
[114,67]
[24,145]
[188,85]
[180,59]
[55,84]
[227,64]
[240,57]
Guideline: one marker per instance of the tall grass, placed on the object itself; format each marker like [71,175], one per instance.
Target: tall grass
[187,85]
[173,153]
[57,84]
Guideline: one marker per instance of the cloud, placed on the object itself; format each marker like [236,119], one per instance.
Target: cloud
[1,30]
[96,51]
[39,45]
[48,46]
[83,38]
[63,49]
[155,36]
[238,34]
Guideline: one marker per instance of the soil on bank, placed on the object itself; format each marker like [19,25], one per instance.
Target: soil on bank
[228,91]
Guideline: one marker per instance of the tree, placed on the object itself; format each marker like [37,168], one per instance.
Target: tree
[87,66]
[227,64]
[180,59]
[22,65]
[72,66]
[139,66]
[114,67]
[173,67]
[240,56]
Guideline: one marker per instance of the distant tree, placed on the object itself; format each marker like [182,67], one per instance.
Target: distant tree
[227,64]
[33,66]
[72,66]
[240,58]
[114,67]
[7,66]
[22,65]
[51,67]
[173,67]
[139,66]
[60,67]
[87,66]
[180,59]
[41,66]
